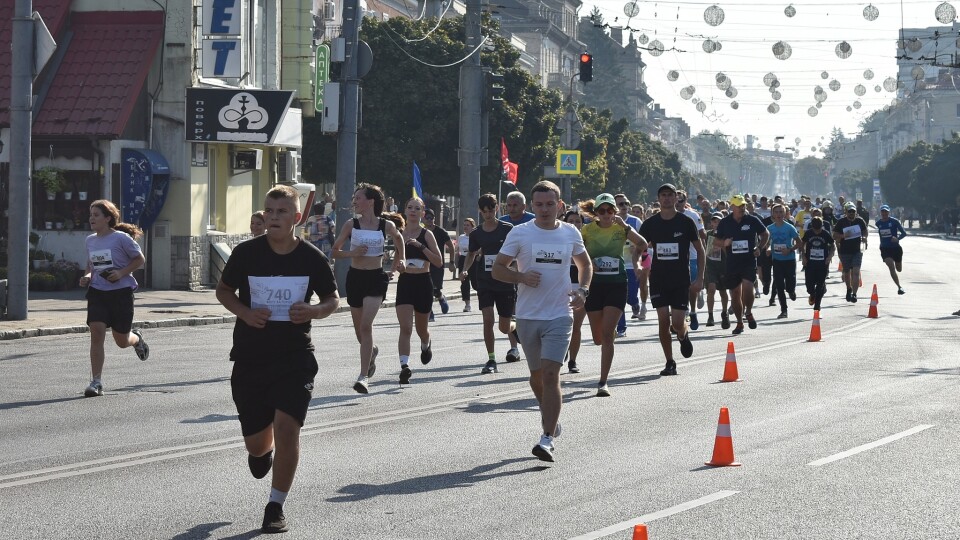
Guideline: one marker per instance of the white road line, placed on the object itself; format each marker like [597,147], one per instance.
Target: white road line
[646,518]
[869,446]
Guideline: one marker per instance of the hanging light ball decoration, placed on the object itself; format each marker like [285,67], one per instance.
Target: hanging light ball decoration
[701,106]
[856,104]
[790,11]
[723,82]
[917,72]
[782,50]
[819,95]
[945,13]
[695,100]
[796,141]
[868,74]
[913,44]
[776,95]
[734,105]
[819,105]
[812,111]
[709,46]
[687,92]
[843,50]
[824,75]
[834,85]
[717,46]
[859,90]
[713,15]
[673,75]
[776,146]
[631,9]
[871,12]
[877,88]
[769,78]
[643,39]
[655,48]
[849,108]
[890,84]
[731,92]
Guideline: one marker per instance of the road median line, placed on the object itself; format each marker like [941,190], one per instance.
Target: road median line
[870,446]
[646,518]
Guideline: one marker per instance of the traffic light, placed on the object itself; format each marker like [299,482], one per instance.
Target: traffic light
[586,67]
[494,86]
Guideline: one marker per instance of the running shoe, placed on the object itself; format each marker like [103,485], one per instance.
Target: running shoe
[513,355]
[260,466]
[544,449]
[621,334]
[756,294]
[766,289]
[811,300]
[782,315]
[426,355]
[95,389]
[373,362]
[901,291]
[361,386]
[444,306]
[849,295]
[141,348]
[490,367]
[853,298]
[405,374]
[572,367]
[724,320]
[273,519]
[467,308]
[636,312]
[643,312]
[710,321]
[700,300]
[738,329]
[694,322]
[432,318]
[670,369]
[793,295]
[603,390]
[751,322]
[686,346]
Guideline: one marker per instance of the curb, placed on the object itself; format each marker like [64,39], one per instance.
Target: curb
[6,335]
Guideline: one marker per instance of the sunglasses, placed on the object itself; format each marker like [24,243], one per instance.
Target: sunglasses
[602,211]
[623,204]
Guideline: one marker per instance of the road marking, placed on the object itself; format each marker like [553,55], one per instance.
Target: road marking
[869,446]
[175,452]
[646,518]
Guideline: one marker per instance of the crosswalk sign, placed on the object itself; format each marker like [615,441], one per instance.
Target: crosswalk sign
[568,162]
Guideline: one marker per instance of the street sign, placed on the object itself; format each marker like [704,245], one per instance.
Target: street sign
[322,75]
[568,162]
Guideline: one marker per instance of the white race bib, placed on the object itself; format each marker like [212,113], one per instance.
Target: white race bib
[488,262]
[416,263]
[740,246]
[716,254]
[372,239]
[778,248]
[851,232]
[668,251]
[277,294]
[606,266]
[101,259]
[464,245]
[885,233]
[551,255]
[816,254]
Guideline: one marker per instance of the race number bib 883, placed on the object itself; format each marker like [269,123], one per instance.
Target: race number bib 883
[668,251]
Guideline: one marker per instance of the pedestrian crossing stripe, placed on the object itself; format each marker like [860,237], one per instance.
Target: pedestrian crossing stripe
[568,162]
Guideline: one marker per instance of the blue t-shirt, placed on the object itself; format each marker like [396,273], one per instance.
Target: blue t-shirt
[782,236]
[111,252]
[527,216]
[887,230]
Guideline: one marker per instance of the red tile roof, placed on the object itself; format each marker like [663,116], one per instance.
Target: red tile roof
[101,75]
[54,14]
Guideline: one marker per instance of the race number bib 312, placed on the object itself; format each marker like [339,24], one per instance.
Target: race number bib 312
[277,294]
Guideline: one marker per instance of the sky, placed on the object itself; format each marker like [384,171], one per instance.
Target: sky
[748,33]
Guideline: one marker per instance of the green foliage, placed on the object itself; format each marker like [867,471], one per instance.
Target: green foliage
[51,178]
[809,176]
[935,178]
[897,175]
[42,281]
[852,181]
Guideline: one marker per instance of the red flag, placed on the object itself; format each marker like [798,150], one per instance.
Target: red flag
[512,172]
[508,167]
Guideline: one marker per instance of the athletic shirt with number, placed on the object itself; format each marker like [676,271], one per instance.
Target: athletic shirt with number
[488,245]
[782,236]
[816,247]
[374,242]
[415,256]
[852,231]
[670,240]
[605,247]
[254,263]
[111,252]
[743,235]
[547,251]
[888,230]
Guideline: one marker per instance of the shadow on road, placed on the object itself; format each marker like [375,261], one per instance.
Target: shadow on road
[433,482]
[20,404]
[199,532]
[174,384]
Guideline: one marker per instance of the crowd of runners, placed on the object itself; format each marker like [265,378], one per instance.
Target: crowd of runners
[537,273]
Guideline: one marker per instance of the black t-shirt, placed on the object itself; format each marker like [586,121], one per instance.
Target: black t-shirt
[670,240]
[744,235]
[443,238]
[254,258]
[488,244]
[816,247]
[847,228]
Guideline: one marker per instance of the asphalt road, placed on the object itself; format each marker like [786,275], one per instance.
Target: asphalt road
[852,437]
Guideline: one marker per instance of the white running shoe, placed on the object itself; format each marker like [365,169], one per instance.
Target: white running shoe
[467,308]
[643,312]
[544,449]
[96,389]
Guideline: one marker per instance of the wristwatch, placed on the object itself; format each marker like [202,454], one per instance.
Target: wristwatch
[584,291]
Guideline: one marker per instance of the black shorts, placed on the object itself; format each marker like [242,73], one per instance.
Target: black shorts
[676,297]
[892,252]
[506,301]
[415,290]
[113,308]
[606,295]
[732,280]
[364,283]
[259,390]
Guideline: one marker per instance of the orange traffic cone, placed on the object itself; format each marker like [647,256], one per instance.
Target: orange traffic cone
[640,532]
[723,446]
[730,367]
[839,267]
[815,328]
[874,300]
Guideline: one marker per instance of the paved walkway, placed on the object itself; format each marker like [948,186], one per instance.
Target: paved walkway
[65,312]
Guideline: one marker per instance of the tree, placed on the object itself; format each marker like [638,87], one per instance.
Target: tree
[853,181]
[935,178]
[896,176]
[809,175]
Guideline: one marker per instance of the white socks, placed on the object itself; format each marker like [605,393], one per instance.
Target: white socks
[277,496]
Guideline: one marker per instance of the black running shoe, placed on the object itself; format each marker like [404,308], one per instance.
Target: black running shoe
[686,346]
[849,295]
[710,321]
[260,466]
[738,329]
[490,367]
[724,320]
[853,298]
[572,366]
[670,369]
[273,519]
[426,355]
[901,291]
[751,322]
[373,362]
[513,355]
[793,295]
[141,348]
[405,374]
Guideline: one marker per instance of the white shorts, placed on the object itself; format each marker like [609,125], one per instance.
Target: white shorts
[544,340]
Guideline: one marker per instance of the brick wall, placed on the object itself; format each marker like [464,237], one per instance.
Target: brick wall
[191,259]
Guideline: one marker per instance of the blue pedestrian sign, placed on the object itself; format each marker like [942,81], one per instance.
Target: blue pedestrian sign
[568,162]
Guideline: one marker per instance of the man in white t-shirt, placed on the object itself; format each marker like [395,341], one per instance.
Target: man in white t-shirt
[543,249]
[696,301]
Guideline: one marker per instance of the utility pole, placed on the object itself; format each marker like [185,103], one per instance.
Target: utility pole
[347,138]
[469,153]
[21,118]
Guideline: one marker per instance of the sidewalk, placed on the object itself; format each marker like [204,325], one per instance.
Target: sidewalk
[65,312]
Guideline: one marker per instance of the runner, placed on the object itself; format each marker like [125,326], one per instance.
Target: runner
[273,362]
[543,249]
[696,301]
[436,270]
[672,234]
[631,262]
[818,249]
[605,238]
[574,218]
[784,243]
[322,229]
[739,232]
[516,209]
[849,232]
[716,265]
[415,287]
[891,233]
[112,256]
[366,280]
[485,242]
[257,225]
[463,247]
